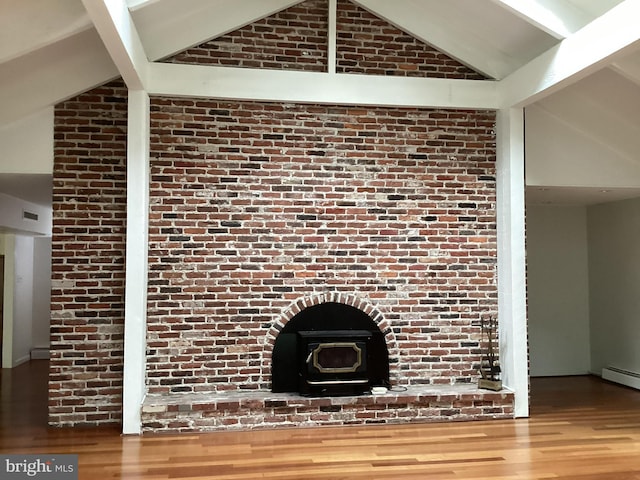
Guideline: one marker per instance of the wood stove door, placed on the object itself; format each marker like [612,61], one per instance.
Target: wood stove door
[333,362]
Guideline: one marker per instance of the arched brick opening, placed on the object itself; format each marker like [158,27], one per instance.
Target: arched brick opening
[346,299]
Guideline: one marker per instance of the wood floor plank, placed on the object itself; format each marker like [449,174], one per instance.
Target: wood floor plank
[580,429]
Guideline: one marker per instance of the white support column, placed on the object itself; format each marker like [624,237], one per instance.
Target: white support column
[135,317]
[332,33]
[512,307]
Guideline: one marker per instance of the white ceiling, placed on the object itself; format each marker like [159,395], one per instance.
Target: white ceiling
[50,51]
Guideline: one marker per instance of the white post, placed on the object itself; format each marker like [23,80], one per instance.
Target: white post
[135,317]
[333,32]
[512,306]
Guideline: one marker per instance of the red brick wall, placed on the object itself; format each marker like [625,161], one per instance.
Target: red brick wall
[367,44]
[255,206]
[87,301]
[296,39]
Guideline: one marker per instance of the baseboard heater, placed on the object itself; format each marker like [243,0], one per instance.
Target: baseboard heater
[623,377]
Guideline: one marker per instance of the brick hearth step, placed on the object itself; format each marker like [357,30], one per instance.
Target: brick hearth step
[259,409]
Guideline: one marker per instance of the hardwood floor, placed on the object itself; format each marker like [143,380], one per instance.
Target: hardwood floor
[581,429]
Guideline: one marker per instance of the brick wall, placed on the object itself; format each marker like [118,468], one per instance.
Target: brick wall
[87,300]
[296,39]
[258,208]
[255,206]
[367,44]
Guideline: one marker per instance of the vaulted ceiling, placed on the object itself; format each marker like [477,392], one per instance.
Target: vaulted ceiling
[575,64]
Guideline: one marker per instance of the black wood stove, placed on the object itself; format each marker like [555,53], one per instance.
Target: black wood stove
[330,349]
[333,362]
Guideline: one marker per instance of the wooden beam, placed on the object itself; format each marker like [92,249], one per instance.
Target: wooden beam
[613,34]
[119,35]
[314,87]
[558,19]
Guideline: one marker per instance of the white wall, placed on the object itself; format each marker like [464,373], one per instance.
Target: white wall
[18,296]
[12,216]
[26,147]
[558,290]
[582,137]
[614,278]
[26,296]
[41,292]
[22,300]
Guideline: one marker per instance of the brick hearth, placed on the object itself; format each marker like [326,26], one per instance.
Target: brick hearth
[255,410]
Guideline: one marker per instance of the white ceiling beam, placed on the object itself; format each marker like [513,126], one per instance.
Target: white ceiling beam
[586,51]
[558,19]
[53,74]
[119,35]
[422,21]
[315,87]
[196,21]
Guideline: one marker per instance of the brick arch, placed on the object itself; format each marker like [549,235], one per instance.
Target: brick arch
[352,300]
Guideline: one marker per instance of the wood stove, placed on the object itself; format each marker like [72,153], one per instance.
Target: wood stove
[333,362]
[330,349]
